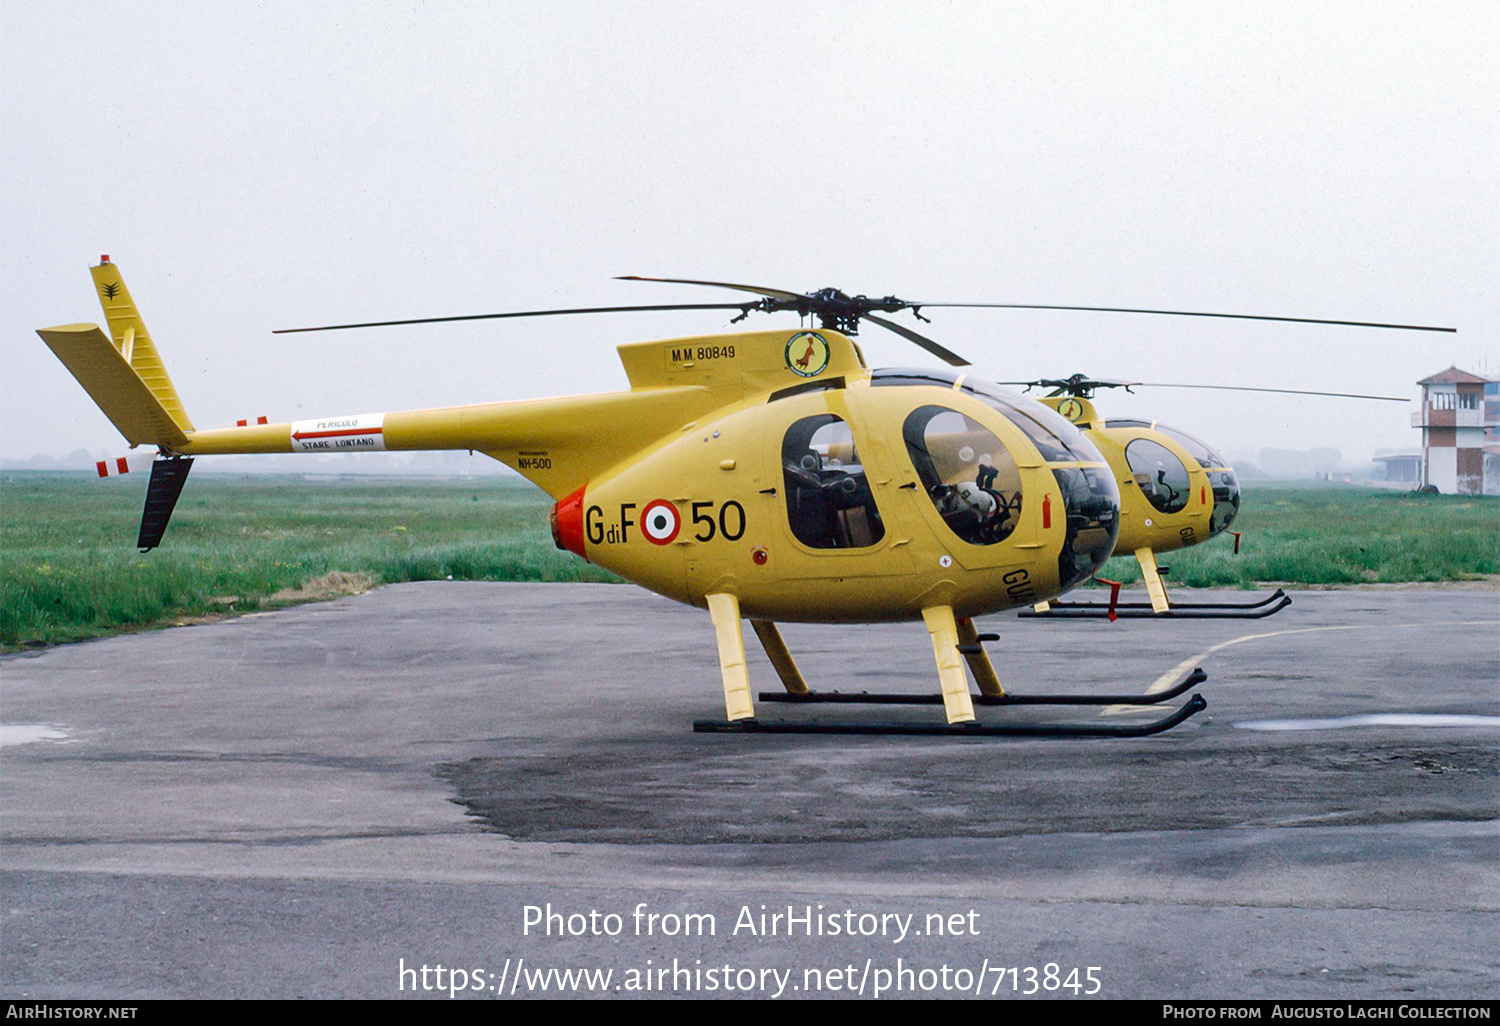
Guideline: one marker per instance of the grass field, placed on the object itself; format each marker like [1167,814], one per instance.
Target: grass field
[68,570]
[1306,534]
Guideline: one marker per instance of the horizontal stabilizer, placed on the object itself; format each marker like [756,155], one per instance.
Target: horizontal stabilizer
[109,379]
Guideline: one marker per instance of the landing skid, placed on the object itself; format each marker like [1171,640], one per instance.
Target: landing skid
[1194,705]
[876,698]
[1275,603]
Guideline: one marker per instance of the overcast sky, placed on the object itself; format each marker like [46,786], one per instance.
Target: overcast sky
[257,166]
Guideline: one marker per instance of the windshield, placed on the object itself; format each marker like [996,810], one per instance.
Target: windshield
[1056,439]
[1226,499]
[1198,450]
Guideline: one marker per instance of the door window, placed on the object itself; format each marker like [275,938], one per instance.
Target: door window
[828,499]
[967,473]
[1159,473]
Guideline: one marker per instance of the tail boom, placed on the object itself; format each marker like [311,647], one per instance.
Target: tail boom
[576,437]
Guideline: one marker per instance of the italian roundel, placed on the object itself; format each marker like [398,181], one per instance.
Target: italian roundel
[660,522]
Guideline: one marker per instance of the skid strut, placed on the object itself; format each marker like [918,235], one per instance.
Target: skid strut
[1274,603]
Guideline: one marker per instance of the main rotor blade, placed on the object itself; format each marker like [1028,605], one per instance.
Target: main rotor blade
[1283,391]
[1069,383]
[523,313]
[757,289]
[1097,383]
[922,340]
[1190,313]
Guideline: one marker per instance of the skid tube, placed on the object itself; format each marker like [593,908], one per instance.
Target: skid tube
[1197,676]
[1275,603]
[1193,706]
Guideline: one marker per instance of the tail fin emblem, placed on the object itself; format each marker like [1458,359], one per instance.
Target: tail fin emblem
[111,290]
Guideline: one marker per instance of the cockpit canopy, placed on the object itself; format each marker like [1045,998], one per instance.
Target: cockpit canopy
[1053,435]
[972,478]
[1163,477]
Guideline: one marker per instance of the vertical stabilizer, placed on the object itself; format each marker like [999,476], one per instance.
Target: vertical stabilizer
[130,337]
[167,478]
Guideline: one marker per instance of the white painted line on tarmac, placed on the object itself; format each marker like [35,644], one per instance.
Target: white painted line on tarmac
[28,733]
[1375,720]
[1175,674]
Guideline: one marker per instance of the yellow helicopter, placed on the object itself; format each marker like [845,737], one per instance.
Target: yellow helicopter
[769,476]
[1175,492]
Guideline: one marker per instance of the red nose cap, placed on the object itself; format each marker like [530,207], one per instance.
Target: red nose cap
[567,524]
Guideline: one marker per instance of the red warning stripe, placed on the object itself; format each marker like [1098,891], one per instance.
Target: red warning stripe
[109,468]
[345,433]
